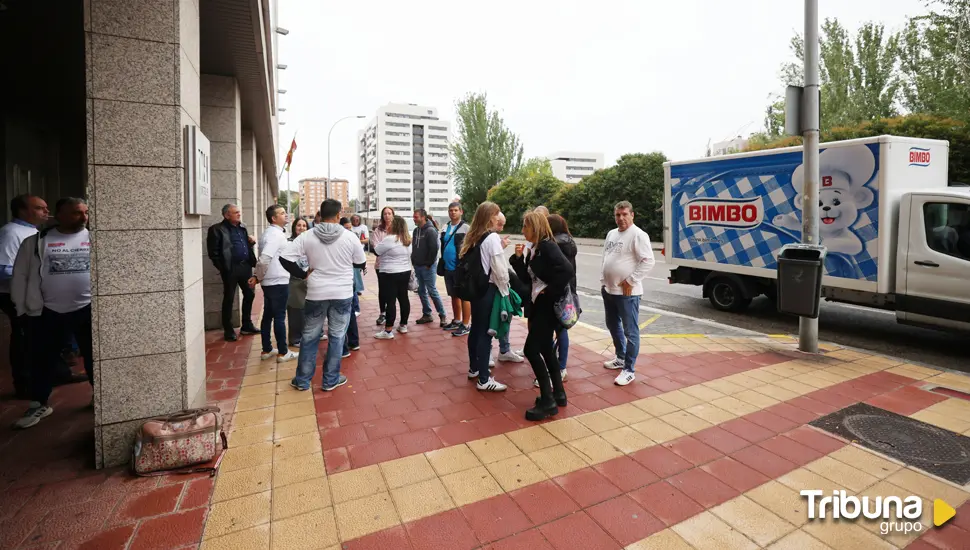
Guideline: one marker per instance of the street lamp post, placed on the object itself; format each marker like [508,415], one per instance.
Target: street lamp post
[326,188]
[808,327]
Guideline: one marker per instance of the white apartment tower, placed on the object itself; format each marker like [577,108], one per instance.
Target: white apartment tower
[572,166]
[404,162]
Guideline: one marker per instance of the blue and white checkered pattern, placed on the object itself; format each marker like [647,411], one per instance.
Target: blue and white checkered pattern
[771,179]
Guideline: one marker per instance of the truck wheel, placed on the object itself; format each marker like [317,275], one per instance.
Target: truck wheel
[727,295]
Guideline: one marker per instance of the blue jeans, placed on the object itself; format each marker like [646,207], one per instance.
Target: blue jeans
[426,287]
[623,321]
[274,317]
[337,314]
[479,340]
[358,280]
[562,346]
[503,343]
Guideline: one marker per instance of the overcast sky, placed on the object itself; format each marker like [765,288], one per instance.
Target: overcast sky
[613,76]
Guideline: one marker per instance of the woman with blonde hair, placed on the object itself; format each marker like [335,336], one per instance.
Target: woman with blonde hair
[487,244]
[548,274]
[394,252]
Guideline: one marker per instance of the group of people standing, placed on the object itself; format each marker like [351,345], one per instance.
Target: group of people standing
[542,272]
[45,291]
[316,277]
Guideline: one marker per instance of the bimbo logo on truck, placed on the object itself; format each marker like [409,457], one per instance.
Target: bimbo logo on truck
[919,156]
[734,213]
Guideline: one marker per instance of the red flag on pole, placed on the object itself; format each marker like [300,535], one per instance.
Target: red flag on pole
[289,155]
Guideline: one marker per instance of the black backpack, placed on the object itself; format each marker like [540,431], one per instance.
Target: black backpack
[471,281]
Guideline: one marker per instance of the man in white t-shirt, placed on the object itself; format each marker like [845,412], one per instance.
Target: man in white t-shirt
[275,282]
[28,213]
[52,286]
[332,253]
[627,258]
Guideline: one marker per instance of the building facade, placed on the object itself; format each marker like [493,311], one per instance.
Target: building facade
[729,147]
[106,97]
[314,191]
[572,166]
[404,161]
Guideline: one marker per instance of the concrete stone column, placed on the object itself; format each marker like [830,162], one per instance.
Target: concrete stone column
[142,75]
[221,123]
[252,213]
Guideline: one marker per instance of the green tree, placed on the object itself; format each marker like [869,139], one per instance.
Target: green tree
[935,63]
[858,77]
[638,178]
[485,151]
[291,203]
[522,192]
[535,166]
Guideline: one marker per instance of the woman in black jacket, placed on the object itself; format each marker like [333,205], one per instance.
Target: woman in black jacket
[560,230]
[547,274]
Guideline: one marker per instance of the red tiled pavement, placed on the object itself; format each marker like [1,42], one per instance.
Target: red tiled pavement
[51,494]
[416,385]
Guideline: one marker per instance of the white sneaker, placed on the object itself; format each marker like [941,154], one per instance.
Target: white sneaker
[491,361]
[266,355]
[625,378]
[520,353]
[35,412]
[491,385]
[511,357]
[324,337]
[472,375]
[615,364]
[384,335]
[287,357]
[403,329]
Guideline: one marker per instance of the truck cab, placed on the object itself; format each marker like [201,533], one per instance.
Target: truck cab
[933,259]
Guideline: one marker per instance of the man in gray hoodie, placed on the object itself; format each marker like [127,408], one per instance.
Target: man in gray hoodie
[332,253]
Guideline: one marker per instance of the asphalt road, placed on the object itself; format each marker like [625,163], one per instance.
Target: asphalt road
[680,309]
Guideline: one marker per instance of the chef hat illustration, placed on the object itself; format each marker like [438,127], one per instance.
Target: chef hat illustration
[847,169]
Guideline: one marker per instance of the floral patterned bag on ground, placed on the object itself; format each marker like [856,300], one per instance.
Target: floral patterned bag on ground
[180,443]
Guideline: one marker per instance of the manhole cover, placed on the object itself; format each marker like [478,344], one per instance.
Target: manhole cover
[918,444]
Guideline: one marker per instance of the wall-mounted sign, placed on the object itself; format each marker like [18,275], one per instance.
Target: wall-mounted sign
[198,172]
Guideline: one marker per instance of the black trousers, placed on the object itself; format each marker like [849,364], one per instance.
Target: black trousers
[18,345]
[381,294]
[539,349]
[395,287]
[237,276]
[46,335]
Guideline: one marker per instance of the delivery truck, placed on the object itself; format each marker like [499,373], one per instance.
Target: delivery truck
[897,236]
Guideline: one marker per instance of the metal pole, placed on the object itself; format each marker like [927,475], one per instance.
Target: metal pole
[808,328]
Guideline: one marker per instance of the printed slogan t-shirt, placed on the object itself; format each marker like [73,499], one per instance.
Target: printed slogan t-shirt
[65,274]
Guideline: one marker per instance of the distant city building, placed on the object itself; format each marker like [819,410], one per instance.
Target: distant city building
[729,147]
[313,191]
[572,166]
[404,162]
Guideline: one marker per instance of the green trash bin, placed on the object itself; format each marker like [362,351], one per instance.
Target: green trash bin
[800,268]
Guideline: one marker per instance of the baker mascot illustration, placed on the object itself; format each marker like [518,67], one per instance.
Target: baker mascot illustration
[843,194]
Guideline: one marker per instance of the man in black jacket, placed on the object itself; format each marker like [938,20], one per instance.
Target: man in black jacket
[424,259]
[230,247]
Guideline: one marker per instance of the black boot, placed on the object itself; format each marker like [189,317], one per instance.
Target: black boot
[558,391]
[545,407]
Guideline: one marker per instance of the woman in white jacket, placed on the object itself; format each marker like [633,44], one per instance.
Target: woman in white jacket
[395,256]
